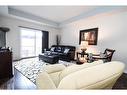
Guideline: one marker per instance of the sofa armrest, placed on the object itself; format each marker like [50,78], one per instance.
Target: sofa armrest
[54,68]
[43,81]
[71,54]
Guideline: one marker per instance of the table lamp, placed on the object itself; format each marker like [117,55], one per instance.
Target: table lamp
[83,46]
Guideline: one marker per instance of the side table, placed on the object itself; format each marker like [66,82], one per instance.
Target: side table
[81,57]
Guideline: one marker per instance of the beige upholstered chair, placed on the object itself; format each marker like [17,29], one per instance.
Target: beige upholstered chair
[96,75]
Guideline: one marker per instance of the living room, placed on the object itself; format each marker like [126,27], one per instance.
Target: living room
[110,22]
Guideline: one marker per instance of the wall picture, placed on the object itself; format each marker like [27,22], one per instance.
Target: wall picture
[90,35]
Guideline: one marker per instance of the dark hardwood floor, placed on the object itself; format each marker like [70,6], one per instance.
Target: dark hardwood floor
[18,81]
[121,83]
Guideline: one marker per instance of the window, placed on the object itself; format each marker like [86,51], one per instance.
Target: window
[31,42]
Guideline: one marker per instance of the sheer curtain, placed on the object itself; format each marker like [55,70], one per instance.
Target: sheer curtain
[31,42]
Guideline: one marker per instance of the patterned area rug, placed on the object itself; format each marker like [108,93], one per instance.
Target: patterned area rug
[31,67]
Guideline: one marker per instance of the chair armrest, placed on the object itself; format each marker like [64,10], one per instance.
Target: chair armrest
[54,68]
[43,81]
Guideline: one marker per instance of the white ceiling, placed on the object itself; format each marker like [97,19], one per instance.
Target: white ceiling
[57,14]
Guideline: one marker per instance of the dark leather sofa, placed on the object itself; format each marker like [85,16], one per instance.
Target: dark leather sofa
[65,52]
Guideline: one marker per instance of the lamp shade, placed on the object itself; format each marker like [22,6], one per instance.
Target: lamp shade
[84,44]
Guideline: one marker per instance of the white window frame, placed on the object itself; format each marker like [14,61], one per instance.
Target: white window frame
[34,42]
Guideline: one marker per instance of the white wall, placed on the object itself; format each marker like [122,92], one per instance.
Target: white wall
[112,33]
[13,36]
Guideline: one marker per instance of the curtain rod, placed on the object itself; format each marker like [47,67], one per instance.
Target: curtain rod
[33,28]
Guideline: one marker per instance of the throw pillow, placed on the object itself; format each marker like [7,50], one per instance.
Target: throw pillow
[59,49]
[66,50]
[52,49]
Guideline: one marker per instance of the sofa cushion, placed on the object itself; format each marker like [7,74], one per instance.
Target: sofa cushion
[58,49]
[55,53]
[74,68]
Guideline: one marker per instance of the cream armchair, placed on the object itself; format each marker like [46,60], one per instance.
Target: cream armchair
[96,75]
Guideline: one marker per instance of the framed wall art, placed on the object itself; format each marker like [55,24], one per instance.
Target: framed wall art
[90,35]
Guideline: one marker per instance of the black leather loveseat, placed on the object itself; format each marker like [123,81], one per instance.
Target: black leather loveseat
[64,52]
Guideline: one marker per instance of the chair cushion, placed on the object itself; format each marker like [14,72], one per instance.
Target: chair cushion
[74,68]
